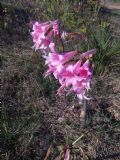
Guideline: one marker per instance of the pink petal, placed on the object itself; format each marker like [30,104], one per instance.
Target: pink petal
[52,47]
[67,154]
[69,55]
[88,54]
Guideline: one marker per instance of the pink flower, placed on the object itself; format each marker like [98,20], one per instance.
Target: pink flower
[42,35]
[56,62]
[88,54]
[75,79]
[38,34]
[52,47]
[56,58]
[67,154]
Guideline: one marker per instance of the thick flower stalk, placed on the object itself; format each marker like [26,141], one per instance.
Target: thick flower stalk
[73,76]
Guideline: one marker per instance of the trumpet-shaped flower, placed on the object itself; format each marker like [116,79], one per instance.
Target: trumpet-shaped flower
[42,34]
[56,58]
[56,62]
[88,54]
[75,79]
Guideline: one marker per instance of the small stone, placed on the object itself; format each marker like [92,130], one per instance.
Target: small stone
[60,119]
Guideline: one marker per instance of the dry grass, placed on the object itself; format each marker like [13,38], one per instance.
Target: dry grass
[33,118]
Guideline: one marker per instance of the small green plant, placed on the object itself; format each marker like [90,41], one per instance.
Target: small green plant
[108,48]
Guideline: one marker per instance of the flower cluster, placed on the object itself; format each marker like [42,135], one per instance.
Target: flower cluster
[73,76]
[42,35]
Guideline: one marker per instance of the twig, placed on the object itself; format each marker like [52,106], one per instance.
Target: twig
[77,139]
